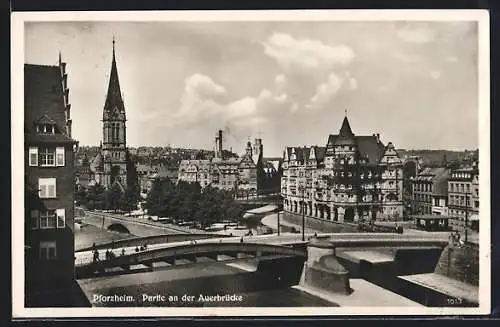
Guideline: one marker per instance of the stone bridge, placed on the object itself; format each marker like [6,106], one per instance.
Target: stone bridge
[151,240]
[268,258]
[122,224]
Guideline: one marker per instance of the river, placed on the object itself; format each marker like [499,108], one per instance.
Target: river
[190,282]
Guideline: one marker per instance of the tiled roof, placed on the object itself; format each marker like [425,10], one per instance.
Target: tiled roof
[228,161]
[370,148]
[438,176]
[97,163]
[46,138]
[200,164]
[320,152]
[44,100]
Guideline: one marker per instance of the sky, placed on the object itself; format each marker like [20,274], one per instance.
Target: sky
[289,83]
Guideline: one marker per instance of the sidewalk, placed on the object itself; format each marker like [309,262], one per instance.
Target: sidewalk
[365,294]
[446,285]
[272,222]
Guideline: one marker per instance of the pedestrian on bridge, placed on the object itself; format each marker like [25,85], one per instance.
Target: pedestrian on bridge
[123,252]
[96,256]
[136,248]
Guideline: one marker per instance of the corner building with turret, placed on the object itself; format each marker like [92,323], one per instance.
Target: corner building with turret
[352,178]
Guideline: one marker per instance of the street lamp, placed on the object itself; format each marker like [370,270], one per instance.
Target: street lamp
[302,207]
[278,205]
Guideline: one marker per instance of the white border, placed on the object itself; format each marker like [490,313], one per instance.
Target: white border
[17,118]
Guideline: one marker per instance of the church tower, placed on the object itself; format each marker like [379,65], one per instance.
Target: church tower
[114,144]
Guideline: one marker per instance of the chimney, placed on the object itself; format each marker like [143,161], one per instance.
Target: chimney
[257,147]
[220,143]
[249,149]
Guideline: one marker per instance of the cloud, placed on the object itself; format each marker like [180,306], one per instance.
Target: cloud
[353,84]
[306,53]
[435,74]
[279,79]
[452,59]
[203,99]
[294,107]
[405,57]
[416,35]
[326,91]
[282,98]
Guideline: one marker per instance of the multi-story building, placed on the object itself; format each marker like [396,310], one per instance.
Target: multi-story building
[463,197]
[50,178]
[352,178]
[429,190]
[243,175]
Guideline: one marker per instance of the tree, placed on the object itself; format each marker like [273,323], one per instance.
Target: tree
[95,197]
[114,197]
[444,162]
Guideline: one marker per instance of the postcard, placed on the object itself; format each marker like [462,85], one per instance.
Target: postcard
[250,163]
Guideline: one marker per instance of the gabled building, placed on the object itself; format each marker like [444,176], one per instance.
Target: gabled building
[50,177]
[243,175]
[351,178]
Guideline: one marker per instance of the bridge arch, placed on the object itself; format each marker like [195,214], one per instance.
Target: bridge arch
[117,227]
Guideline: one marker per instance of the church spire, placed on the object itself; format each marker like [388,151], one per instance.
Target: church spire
[114,96]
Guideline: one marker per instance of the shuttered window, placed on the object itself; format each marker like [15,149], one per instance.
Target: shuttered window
[61,218]
[59,156]
[33,156]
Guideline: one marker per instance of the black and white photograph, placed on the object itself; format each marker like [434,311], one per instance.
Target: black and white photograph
[250,163]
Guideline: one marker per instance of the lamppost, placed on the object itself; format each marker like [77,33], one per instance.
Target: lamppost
[302,207]
[278,196]
[466,214]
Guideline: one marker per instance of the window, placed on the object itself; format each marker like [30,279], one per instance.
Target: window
[47,157]
[47,187]
[34,219]
[60,156]
[46,128]
[48,219]
[33,156]
[61,218]
[48,250]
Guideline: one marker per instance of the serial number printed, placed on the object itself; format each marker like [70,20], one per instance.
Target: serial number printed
[454,301]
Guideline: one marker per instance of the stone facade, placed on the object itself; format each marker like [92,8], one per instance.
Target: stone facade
[352,178]
[242,175]
[430,187]
[463,196]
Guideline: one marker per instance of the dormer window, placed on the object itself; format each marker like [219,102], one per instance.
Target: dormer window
[46,128]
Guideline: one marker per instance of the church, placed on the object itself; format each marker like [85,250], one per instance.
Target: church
[113,164]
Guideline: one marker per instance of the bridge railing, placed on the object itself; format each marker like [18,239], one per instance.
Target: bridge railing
[193,250]
[154,239]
